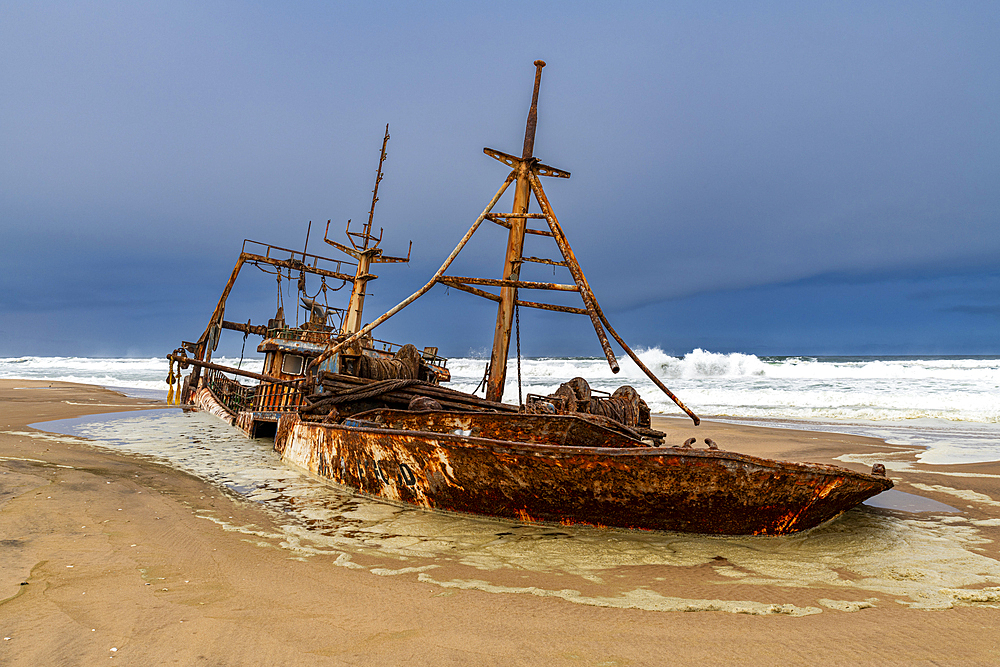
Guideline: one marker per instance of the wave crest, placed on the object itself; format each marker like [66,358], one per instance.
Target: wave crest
[698,363]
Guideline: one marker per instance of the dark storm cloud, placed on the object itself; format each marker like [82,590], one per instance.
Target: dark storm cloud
[714,148]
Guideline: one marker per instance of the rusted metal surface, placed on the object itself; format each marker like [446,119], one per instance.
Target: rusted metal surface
[233,395]
[228,369]
[277,398]
[338,383]
[596,314]
[574,268]
[296,265]
[247,328]
[501,219]
[511,274]
[649,373]
[209,338]
[541,260]
[533,216]
[293,346]
[512,284]
[279,335]
[473,290]
[205,400]
[375,420]
[532,123]
[657,488]
[497,370]
[365,249]
[567,431]
[298,260]
[525,171]
[526,304]
[333,349]
[552,306]
[511,161]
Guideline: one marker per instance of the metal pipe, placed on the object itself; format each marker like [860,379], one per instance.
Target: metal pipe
[519,284]
[574,268]
[529,128]
[645,370]
[185,361]
[333,349]
[247,328]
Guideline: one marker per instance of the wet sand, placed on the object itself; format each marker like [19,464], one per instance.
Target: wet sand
[101,550]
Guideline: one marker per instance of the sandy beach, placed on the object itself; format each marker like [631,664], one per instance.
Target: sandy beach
[114,556]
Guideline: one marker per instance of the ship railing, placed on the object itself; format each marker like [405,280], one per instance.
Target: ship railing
[236,396]
[272,397]
[429,355]
[286,333]
[308,260]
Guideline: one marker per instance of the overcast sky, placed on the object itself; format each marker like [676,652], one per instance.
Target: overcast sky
[768,177]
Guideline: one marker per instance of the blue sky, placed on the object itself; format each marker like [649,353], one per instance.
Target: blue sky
[771,177]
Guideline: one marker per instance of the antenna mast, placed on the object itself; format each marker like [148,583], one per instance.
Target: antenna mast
[366,250]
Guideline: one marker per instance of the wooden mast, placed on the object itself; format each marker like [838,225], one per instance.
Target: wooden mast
[515,249]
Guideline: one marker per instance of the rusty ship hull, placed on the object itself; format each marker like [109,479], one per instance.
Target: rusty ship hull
[566,470]
[372,416]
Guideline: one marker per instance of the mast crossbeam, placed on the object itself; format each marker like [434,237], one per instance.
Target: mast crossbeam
[518,284]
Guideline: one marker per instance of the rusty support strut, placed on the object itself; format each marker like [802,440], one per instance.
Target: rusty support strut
[595,309]
[184,362]
[574,268]
[333,349]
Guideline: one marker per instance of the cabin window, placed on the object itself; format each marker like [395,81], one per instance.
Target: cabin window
[291,364]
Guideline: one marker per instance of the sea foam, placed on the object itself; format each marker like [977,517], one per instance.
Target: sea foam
[921,400]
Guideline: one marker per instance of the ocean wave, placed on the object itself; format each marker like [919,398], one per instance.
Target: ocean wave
[148,373]
[744,385]
[729,384]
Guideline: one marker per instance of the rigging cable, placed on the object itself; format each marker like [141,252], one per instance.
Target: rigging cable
[245,334]
[517,329]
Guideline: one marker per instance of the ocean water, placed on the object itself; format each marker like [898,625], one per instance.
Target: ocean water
[948,408]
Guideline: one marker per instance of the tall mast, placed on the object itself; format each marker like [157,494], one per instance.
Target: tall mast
[515,248]
[367,251]
[525,172]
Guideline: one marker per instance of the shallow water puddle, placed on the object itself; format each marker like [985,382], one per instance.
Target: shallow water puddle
[907,502]
[930,561]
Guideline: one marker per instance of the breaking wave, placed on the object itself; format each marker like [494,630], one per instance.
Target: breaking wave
[732,385]
[947,404]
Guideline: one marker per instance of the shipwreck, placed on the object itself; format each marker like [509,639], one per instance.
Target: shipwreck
[374,417]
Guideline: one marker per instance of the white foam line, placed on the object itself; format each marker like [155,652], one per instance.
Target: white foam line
[644,599]
[17,458]
[964,494]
